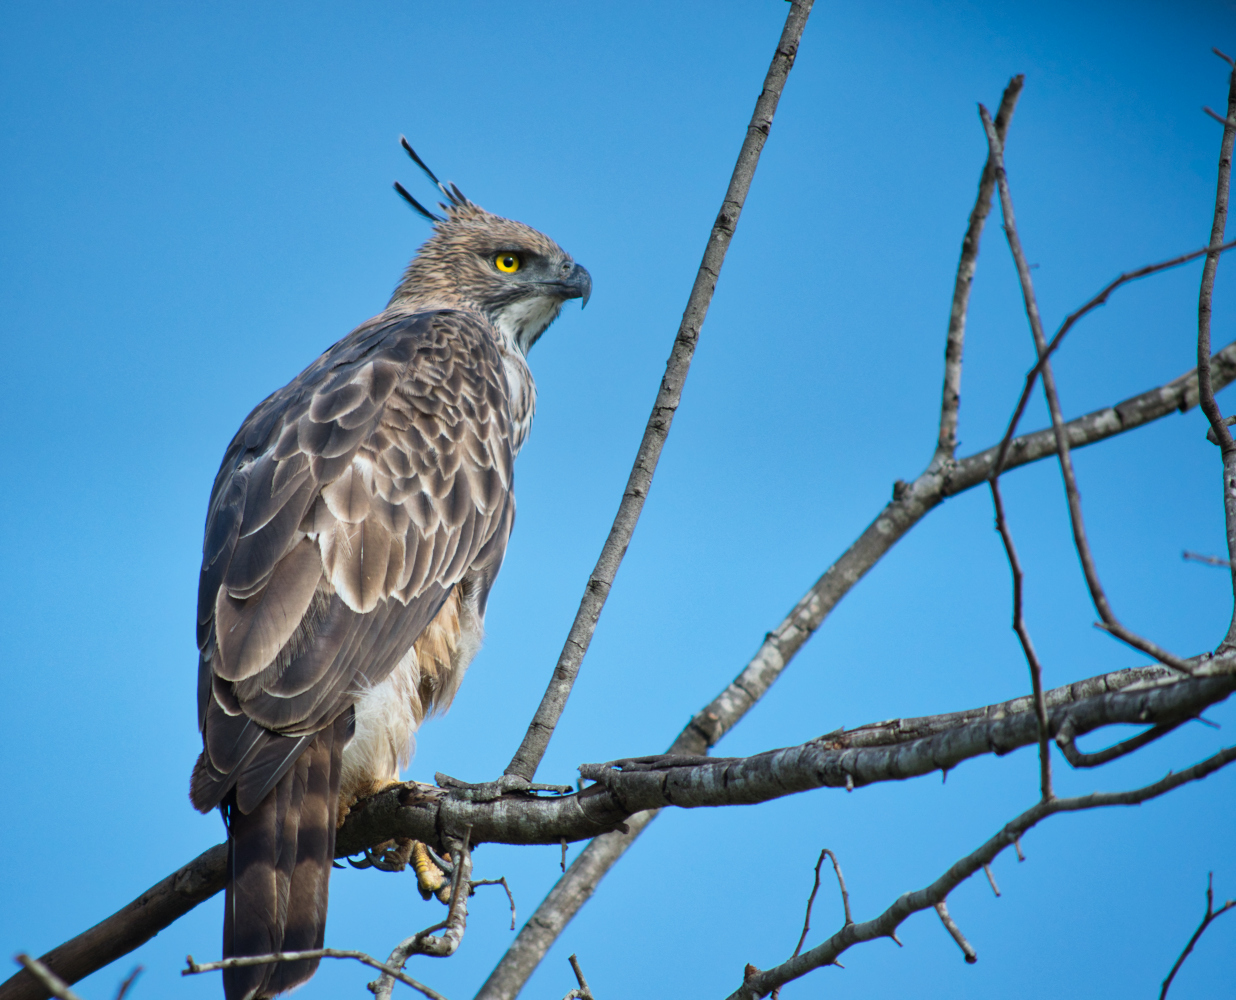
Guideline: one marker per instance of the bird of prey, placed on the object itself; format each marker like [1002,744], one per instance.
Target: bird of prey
[355,528]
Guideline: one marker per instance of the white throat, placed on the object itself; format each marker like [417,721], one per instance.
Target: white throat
[522,322]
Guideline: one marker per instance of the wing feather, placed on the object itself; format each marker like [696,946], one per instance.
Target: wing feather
[348,507]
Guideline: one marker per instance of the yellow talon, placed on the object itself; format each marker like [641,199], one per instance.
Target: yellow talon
[430,879]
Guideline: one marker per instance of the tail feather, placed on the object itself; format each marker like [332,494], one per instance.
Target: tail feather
[279,863]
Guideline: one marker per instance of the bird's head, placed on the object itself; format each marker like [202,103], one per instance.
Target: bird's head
[514,275]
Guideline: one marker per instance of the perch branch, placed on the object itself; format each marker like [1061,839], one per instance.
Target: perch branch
[633,790]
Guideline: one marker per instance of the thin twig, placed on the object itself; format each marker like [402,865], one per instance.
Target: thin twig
[845,895]
[991,879]
[1211,914]
[1027,645]
[1206,395]
[845,904]
[192,968]
[886,923]
[48,979]
[950,925]
[536,740]
[502,882]
[1208,560]
[124,987]
[946,444]
[1097,595]
[1071,320]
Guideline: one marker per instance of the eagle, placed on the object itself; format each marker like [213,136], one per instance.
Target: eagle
[355,528]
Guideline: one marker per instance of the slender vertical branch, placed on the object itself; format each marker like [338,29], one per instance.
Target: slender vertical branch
[1027,646]
[946,444]
[1211,913]
[1097,595]
[536,740]
[1206,396]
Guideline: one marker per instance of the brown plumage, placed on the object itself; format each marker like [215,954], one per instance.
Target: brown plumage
[355,528]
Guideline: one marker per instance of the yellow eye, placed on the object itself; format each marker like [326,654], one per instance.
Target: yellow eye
[507,263]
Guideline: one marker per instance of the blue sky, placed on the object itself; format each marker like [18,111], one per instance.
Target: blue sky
[197,201]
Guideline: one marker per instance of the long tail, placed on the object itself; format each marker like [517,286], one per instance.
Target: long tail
[279,863]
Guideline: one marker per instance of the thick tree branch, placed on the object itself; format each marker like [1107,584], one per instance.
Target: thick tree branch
[629,792]
[526,760]
[760,984]
[946,443]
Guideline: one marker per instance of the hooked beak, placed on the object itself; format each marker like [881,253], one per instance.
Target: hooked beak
[575,284]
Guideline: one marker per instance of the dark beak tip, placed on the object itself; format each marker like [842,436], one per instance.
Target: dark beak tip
[584,280]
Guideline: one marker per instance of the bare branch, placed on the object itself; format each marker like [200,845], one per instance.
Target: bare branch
[761,983]
[845,895]
[125,986]
[48,979]
[192,968]
[991,879]
[584,992]
[1218,426]
[967,949]
[1219,118]
[502,882]
[1110,623]
[1208,560]
[946,444]
[887,751]
[1211,914]
[1071,320]
[526,760]
[1064,739]
[1027,646]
